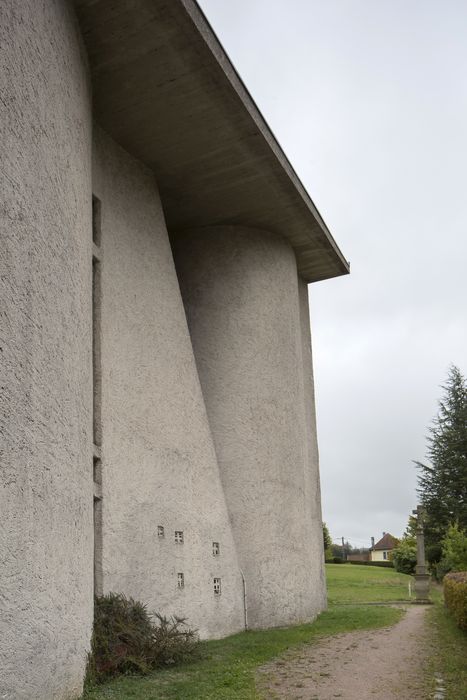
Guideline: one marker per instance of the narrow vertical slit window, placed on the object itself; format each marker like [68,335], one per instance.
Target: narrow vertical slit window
[98,584]
[216,549]
[96,351]
[217,586]
[97,470]
[96,394]
[96,221]
[181,580]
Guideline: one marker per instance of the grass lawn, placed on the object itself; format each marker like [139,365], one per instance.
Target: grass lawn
[226,669]
[350,583]
[448,656]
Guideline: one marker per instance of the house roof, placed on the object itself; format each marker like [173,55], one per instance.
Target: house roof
[386,542]
[164,89]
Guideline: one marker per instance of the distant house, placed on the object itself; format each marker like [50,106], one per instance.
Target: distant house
[382,550]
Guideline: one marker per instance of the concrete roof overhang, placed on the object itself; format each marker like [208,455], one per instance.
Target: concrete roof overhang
[164,89]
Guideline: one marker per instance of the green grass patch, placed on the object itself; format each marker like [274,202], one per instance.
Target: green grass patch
[448,656]
[365,584]
[227,667]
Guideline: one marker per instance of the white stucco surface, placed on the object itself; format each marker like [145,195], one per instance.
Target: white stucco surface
[312,478]
[206,426]
[241,295]
[159,465]
[45,344]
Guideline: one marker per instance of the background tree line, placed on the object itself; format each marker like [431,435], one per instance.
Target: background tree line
[442,487]
[337,551]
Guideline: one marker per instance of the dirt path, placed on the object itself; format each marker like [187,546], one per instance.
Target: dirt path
[379,665]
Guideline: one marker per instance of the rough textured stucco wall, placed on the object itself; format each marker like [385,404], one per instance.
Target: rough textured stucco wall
[240,291]
[312,480]
[159,465]
[45,359]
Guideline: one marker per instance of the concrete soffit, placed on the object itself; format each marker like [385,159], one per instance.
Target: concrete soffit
[166,91]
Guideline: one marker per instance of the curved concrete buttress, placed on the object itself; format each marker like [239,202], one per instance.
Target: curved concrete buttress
[159,466]
[46,499]
[247,322]
[312,478]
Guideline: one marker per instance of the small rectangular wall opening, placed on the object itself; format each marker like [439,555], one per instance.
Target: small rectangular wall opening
[160,532]
[216,549]
[178,536]
[217,586]
[180,580]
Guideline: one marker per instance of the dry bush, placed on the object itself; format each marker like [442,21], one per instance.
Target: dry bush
[127,639]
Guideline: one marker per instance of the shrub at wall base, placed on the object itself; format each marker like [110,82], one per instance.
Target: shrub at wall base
[127,639]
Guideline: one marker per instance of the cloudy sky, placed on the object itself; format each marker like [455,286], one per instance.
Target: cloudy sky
[368,99]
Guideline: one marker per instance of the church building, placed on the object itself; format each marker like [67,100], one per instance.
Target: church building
[157,417]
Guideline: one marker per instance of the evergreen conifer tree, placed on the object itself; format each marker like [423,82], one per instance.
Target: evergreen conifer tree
[442,484]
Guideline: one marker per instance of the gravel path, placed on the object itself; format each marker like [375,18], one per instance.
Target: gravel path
[378,665]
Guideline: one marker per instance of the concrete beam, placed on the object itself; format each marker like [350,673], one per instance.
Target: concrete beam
[166,91]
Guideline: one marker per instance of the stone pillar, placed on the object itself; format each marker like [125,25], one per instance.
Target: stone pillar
[243,303]
[422,578]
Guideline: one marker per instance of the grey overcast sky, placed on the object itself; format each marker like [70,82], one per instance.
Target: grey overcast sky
[368,99]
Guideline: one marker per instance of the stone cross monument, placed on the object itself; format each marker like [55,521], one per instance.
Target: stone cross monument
[422,578]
